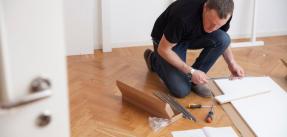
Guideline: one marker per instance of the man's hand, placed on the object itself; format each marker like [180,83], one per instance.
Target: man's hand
[234,68]
[199,77]
[236,71]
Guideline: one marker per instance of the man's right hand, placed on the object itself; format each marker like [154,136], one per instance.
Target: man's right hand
[199,77]
[166,52]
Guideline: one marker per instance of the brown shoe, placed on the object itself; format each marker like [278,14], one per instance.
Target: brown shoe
[147,54]
[201,90]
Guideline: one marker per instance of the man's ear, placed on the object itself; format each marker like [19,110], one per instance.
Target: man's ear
[205,8]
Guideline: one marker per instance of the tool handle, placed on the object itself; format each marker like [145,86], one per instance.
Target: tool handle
[193,106]
[209,117]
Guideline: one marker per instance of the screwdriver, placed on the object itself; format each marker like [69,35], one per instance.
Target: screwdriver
[194,106]
[209,117]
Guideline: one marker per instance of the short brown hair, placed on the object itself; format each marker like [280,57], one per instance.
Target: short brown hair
[222,7]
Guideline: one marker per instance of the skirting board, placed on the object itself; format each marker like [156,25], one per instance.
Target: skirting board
[247,44]
[145,43]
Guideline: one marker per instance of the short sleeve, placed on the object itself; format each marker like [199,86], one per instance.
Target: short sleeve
[226,26]
[173,31]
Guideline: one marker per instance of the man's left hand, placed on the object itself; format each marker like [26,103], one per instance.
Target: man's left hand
[236,71]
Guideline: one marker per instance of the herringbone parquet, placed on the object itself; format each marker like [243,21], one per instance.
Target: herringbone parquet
[96,108]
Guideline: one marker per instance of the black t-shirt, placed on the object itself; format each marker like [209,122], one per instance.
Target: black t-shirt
[182,21]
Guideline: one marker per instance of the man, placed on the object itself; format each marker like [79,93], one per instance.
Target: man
[191,24]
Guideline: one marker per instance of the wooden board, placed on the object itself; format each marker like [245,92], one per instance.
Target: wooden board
[266,113]
[228,98]
[145,101]
[245,88]
[243,129]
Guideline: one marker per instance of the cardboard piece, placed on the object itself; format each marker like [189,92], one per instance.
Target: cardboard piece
[147,102]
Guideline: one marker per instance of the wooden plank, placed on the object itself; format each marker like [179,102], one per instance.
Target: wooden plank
[235,117]
[253,109]
[145,101]
[228,98]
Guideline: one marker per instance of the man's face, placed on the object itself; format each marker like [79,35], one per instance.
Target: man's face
[211,21]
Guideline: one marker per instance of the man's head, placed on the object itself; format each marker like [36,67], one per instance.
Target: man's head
[216,13]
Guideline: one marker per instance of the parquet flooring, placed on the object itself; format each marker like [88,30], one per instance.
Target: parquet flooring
[96,107]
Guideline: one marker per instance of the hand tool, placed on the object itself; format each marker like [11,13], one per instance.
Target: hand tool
[194,106]
[210,116]
[175,105]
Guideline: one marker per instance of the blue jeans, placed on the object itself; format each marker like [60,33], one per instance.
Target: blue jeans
[213,45]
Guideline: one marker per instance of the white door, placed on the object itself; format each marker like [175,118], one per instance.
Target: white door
[32,50]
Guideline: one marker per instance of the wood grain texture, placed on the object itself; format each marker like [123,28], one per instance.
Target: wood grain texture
[97,109]
[145,101]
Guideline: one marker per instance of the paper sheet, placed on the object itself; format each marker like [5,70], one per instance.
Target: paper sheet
[188,133]
[206,132]
[219,132]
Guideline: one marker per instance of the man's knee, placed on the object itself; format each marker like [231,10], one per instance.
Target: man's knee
[179,90]
[222,39]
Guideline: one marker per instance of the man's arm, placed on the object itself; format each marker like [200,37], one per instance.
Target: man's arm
[234,68]
[228,56]
[166,52]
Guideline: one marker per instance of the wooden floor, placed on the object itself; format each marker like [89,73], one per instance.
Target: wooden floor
[96,107]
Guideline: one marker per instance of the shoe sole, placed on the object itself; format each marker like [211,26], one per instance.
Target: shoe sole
[147,55]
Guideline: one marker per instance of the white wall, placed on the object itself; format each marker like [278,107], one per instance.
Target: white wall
[2,73]
[97,20]
[131,21]
[271,18]
[80,25]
